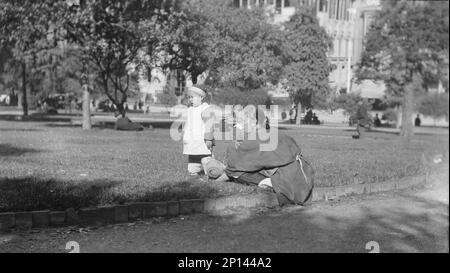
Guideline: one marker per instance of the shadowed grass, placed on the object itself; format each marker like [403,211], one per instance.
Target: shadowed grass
[31,193]
[11,150]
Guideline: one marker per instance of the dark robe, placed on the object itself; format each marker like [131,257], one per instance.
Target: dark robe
[290,183]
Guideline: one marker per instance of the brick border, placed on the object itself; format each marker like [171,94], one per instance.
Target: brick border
[102,215]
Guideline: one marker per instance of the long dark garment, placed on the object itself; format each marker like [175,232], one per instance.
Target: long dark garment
[291,175]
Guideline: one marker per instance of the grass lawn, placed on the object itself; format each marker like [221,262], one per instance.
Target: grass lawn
[54,165]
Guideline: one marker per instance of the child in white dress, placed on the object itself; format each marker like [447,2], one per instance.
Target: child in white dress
[198,139]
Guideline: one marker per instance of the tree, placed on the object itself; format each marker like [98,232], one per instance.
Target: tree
[351,102]
[434,105]
[9,72]
[246,48]
[167,98]
[190,40]
[26,27]
[114,37]
[307,67]
[407,48]
[236,96]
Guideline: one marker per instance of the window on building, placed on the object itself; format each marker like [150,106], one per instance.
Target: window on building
[270,2]
[331,9]
[286,3]
[338,10]
[323,5]
[278,6]
[236,3]
[244,3]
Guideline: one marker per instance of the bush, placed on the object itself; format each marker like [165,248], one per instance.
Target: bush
[350,103]
[389,115]
[167,98]
[434,105]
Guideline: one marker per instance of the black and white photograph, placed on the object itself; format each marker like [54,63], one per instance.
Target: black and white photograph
[232,129]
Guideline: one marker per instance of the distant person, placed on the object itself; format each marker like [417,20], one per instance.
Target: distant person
[315,119]
[292,114]
[362,118]
[417,121]
[308,117]
[377,121]
[73,105]
[45,107]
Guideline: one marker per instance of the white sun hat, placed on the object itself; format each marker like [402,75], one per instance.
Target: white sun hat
[192,90]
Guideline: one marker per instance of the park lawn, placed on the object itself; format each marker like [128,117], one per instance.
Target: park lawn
[56,166]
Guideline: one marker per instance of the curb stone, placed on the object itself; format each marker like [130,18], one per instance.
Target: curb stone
[7,220]
[41,218]
[24,220]
[57,218]
[155,209]
[139,210]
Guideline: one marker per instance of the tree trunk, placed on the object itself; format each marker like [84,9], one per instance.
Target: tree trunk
[299,114]
[19,101]
[194,77]
[86,108]
[399,110]
[407,112]
[24,90]
[121,109]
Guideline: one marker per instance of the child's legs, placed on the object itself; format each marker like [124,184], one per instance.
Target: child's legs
[194,168]
[195,164]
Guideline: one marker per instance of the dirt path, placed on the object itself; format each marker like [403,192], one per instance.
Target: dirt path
[409,221]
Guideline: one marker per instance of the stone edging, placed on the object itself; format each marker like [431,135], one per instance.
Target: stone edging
[132,211]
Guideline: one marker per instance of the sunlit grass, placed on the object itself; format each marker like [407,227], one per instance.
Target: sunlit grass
[59,166]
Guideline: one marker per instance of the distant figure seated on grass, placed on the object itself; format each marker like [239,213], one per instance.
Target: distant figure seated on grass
[417,121]
[283,170]
[362,118]
[125,124]
[315,119]
[377,121]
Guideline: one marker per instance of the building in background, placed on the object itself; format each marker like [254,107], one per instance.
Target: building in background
[346,21]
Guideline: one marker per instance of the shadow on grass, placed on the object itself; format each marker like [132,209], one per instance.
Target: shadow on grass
[10,150]
[35,118]
[178,191]
[31,193]
[20,130]
[111,125]
[375,131]
[70,125]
